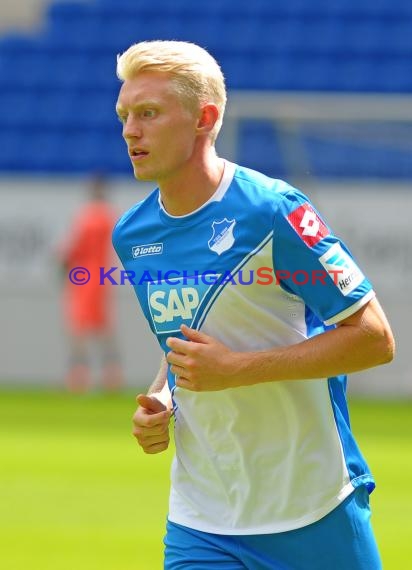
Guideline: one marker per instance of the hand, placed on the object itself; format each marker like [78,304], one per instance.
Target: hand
[203,364]
[151,424]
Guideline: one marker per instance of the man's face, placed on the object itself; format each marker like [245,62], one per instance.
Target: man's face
[159,131]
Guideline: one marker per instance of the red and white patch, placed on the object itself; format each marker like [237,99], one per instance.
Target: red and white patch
[308,224]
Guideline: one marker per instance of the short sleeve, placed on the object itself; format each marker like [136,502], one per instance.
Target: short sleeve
[314,264]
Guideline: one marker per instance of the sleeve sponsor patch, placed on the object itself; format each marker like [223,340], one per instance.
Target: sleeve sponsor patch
[308,224]
[342,269]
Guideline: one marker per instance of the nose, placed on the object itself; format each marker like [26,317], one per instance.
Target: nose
[132,128]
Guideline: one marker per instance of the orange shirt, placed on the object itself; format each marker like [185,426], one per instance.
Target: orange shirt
[88,306]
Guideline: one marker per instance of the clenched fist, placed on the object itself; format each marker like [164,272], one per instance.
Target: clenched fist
[151,424]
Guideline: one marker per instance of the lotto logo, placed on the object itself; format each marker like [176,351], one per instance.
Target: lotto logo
[147,249]
[308,224]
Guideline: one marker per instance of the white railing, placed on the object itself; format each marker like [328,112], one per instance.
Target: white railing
[289,112]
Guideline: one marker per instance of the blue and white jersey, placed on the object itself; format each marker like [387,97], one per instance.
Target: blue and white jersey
[255,267]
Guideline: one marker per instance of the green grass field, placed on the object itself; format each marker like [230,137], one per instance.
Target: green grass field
[76,493]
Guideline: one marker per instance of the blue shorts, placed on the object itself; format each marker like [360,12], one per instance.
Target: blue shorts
[342,540]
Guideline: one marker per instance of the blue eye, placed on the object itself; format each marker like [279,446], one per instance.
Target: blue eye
[149,113]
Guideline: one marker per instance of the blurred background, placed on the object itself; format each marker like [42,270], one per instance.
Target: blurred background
[320,94]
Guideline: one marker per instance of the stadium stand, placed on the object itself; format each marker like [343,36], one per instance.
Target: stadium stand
[58,87]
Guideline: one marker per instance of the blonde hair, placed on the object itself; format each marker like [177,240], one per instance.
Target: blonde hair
[196,75]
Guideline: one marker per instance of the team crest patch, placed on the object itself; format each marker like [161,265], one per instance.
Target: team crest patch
[222,237]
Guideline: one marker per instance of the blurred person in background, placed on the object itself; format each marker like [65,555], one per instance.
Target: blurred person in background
[88,306]
[267,473]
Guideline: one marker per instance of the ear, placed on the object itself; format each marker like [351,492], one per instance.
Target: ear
[209,114]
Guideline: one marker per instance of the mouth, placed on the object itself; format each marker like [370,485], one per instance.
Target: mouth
[137,154]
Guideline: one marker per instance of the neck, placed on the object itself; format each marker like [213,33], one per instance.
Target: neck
[193,186]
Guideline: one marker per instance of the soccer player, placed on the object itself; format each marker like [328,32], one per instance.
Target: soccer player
[260,311]
[88,304]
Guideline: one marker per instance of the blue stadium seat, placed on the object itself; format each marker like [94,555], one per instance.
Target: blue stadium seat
[239,70]
[389,75]
[65,13]
[317,36]
[75,35]
[116,156]
[101,72]
[363,8]
[259,148]
[13,145]
[33,155]
[397,37]
[359,152]
[16,109]
[93,108]
[146,9]
[124,31]
[61,84]
[28,70]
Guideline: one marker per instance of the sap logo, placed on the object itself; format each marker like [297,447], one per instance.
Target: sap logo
[174,304]
[337,262]
[147,249]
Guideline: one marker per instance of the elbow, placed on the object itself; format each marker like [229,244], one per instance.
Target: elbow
[379,346]
[386,347]
[379,342]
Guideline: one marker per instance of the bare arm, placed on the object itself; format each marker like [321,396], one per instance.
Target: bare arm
[159,387]
[361,341]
